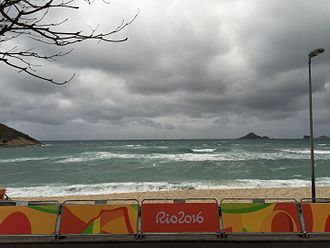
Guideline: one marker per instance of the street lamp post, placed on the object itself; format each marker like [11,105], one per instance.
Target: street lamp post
[310,56]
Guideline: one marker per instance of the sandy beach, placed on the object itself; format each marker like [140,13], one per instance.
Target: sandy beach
[296,193]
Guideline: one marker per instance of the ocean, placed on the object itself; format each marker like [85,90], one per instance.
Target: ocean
[61,168]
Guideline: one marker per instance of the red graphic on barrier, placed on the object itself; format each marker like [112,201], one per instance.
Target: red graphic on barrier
[23,225]
[327,224]
[180,217]
[282,222]
[286,220]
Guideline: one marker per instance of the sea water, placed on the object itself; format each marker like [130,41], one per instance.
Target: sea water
[62,168]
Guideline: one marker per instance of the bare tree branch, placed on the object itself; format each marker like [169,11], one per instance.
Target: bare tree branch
[24,19]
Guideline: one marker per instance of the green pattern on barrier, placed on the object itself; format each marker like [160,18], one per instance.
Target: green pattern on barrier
[46,209]
[89,229]
[234,208]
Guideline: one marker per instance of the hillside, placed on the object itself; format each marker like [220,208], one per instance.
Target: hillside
[11,137]
[253,136]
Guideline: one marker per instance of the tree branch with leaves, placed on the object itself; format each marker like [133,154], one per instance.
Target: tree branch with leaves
[26,19]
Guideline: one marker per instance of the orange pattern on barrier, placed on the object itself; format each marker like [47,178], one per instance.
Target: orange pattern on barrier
[316,217]
[260,217]
[28,220]
[99,219]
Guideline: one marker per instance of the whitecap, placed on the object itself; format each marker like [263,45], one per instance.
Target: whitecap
[205,150]
[306,151]
[24,159]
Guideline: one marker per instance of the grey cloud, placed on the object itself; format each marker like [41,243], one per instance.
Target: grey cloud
[216,68]
[278,35]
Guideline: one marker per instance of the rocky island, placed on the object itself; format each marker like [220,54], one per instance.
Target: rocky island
[10,137]
[253,136]
[322,137]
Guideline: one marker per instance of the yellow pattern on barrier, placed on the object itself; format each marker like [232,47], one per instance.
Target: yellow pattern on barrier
[317,217]
[256,217]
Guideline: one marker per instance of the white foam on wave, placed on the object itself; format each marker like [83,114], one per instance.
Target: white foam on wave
[306,151]
[198,155]
[94,189]
[322,152]
[24,159]
[205,150]
[258,183]
[125,187]
[93,156]
[183,157]
[133,145]
[141,147]
[234,156]
[192,157]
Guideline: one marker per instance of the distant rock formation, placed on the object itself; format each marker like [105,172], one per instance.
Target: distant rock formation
[253,136]
[322,137]
[11,137]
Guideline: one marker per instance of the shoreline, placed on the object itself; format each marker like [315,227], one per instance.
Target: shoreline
[218,194]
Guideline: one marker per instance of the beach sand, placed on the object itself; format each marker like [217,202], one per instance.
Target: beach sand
[296,193]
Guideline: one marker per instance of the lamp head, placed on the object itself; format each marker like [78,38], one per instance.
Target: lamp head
[316,52]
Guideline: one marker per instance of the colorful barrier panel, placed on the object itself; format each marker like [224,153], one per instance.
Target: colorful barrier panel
[274,217]
[316,217]
[88,219]
[28,220]
[180,218]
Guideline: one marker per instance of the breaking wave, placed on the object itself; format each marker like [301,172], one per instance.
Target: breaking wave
[110,188]
[198,155]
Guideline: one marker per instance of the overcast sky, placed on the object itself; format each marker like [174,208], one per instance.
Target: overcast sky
[190,69]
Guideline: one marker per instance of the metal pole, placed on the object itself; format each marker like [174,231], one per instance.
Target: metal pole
[311,130]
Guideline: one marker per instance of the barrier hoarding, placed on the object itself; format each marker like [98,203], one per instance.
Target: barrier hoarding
[180,218]
[274,217]
[90,219]
[36,219]
[316,216]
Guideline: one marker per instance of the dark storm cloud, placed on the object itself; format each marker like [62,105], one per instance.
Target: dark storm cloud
[189,69]
[279,34]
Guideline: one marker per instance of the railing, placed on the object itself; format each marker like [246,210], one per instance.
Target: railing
[165,217]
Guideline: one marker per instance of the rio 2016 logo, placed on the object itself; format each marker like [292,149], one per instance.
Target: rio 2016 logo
[179,218]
